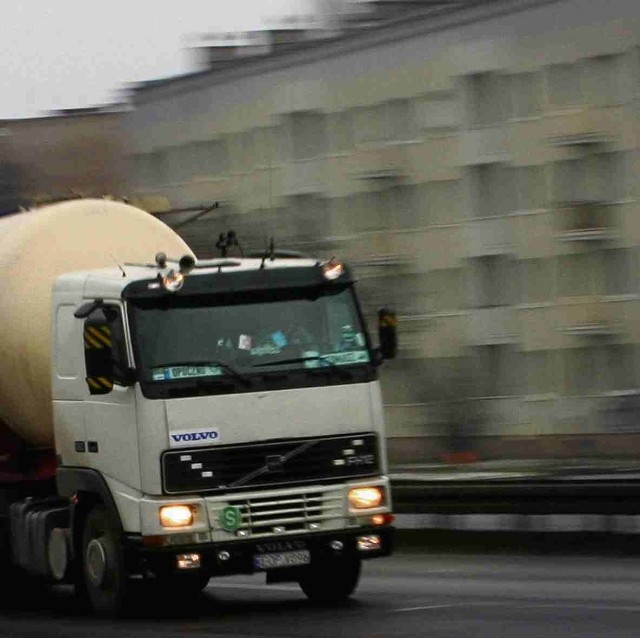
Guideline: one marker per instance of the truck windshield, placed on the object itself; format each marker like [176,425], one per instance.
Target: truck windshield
[237,336]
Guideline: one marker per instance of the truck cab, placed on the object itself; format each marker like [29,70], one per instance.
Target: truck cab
[218,417]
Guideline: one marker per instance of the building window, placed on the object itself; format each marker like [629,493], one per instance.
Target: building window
[498,371]
[446,289]
[597,369]
[340,127]
[564,85]
[149,169]
[307,217]
[601,177]
[621,363]
[491,190]
[604,81]
[581,274]
[526,95]
[437,112]
[392,121]
[537,281]
[583,374]
[308,134]
[541,372]
[621,271]
[530,187]
[438,202]
[485,98]
[492,281]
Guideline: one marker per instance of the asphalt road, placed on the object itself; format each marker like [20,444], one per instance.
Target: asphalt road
[445,592]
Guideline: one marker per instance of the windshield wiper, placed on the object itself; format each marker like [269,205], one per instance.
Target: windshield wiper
[208,362]
[332,366]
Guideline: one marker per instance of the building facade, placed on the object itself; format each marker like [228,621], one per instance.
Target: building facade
[478,165]
[70,153]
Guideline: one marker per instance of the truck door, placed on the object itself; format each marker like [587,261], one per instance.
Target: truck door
[111,444]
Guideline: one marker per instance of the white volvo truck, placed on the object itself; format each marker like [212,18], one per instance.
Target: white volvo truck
[200,418]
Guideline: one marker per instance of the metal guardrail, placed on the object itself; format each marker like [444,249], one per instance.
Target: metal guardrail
[606,505]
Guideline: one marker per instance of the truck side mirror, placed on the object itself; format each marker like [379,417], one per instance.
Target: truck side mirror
[98,345]
[388,333]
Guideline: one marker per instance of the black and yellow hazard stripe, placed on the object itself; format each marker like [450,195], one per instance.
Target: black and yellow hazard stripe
[97,337]
[99,385]
[388,321]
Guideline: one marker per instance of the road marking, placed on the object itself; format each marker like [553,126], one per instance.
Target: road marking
[216,585]
[590,606]
[423,607]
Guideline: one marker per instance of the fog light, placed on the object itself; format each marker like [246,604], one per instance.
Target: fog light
[369,543]
[365,497]
[176,516]
[188,561]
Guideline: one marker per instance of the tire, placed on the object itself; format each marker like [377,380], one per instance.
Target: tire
[332,581]
[104,577]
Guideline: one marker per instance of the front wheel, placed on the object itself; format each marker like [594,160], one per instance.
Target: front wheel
[103,572]
[332,581]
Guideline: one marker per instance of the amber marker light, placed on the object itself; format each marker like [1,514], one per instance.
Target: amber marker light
[176,516]
[361,498]
[382,519]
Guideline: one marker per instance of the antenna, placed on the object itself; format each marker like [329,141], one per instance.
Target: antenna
[269,253]
[124,274]
[198,215]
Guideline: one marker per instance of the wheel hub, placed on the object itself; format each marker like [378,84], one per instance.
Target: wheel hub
[96,562]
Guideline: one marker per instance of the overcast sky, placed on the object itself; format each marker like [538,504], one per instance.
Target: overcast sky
[76,53]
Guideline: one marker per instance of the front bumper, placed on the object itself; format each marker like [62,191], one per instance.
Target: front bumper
[237,557]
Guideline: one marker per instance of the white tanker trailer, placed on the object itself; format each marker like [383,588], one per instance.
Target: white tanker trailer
[176,420]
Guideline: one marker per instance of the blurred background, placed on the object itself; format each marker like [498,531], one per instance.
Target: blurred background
[476,161]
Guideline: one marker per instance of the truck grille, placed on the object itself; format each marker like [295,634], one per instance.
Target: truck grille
[235,467]
[295,512]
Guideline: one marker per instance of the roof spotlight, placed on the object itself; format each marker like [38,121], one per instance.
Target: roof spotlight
[332,269]
[173,281]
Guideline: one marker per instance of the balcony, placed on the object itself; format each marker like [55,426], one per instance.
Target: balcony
[484,145]
[302,177]
[586,221]
[588,317]
[487,237]
[492,326]
[386,163]
[583,127]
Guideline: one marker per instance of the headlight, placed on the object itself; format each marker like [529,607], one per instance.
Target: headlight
[361,498]
[176,516]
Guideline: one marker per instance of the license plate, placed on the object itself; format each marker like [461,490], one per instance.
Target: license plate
[282,559]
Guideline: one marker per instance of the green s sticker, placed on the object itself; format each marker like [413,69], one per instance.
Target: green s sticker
[230,518]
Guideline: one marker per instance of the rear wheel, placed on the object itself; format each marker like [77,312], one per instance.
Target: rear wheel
[331,581]
[103,572]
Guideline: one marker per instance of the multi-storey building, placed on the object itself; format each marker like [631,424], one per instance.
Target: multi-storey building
[478,163]
[74,152]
